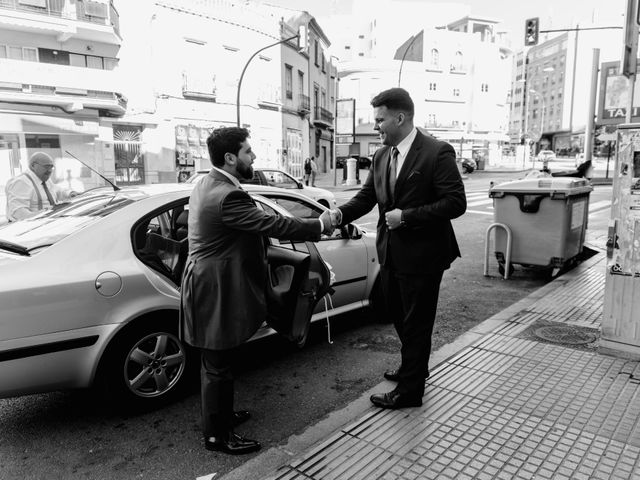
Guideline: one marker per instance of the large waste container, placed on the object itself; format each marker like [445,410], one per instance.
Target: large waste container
[547,218]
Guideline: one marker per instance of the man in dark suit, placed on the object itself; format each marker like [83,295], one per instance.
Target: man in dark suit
[224,282]
[416,184]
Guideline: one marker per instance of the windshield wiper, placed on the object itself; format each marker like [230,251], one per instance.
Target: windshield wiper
[14,248]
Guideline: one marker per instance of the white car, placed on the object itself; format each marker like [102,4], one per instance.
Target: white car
[90,291]
[546,155]
[273,177]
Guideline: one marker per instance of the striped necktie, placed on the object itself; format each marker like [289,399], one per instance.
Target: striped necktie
[52,201]
[393,170]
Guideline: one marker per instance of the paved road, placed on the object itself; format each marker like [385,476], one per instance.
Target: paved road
[71,436]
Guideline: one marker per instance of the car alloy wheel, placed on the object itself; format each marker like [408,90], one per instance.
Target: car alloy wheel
[154,364]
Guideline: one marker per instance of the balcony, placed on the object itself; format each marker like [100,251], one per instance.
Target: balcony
[70,88]
[304,104]
[94,20]
[322,116]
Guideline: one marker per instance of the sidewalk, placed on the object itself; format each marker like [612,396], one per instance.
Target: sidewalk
[523,395]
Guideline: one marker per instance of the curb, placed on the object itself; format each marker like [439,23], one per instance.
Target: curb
[275,457]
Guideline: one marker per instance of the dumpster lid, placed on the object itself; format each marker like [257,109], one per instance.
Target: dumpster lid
[567,185]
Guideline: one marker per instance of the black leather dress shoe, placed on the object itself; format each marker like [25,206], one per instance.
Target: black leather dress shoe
[240,416]
[234,444]
[395,400]
[392,375]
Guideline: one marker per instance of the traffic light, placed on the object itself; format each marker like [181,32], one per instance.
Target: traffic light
[531,29]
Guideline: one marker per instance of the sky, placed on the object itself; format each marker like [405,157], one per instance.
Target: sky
[553,14]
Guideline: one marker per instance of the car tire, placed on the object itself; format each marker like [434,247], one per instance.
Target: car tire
[146,366]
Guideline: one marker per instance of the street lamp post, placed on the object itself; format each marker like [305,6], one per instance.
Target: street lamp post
[247,64]
[335,123]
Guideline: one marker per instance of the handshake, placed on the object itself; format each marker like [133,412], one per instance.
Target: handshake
[331,219]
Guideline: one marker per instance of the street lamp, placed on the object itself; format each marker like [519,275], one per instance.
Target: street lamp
[335,122]
[298,36]
[526,101]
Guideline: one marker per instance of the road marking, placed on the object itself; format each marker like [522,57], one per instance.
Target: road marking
[601,205]
[480,202]
[479,212]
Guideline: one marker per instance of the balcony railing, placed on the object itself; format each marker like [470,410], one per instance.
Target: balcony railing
[304,103]
[91,12]
[323,115]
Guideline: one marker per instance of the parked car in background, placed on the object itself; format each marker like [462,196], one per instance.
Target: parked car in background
[277,178]
[90,290]
[546,156]
[361,162]
[466,165]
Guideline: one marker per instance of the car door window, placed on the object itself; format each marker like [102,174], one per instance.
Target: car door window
[302,209]
[160,241]
[279,179]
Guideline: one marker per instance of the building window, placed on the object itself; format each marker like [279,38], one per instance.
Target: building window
[435,58]
[431,119]
[19,53]
[457,65]
[323,66]
[300,82]
[456,92]
[432,86]
[361,54]
[347,47]
[323,97]
[288,81]
[315,57]
[484,87]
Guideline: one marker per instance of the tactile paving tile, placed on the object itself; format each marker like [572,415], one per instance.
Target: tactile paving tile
[502,408]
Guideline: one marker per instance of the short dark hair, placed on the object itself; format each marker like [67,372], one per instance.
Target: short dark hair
[225,140]
[394,99]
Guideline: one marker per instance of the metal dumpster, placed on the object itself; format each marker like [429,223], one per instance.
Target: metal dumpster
[547,218]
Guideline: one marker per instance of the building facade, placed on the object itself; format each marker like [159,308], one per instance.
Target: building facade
[59,90]
[457,77]
[550,89]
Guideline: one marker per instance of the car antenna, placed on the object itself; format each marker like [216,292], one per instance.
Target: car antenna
[115,187]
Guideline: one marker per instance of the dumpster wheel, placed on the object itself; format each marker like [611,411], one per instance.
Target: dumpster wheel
[501,268]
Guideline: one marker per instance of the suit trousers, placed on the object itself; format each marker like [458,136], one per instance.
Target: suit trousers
[411,301]
[216,391]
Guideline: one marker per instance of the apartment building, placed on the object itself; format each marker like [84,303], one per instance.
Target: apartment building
[550,88]
[458,77]
[59,91]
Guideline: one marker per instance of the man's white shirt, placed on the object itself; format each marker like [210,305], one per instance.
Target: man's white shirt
[22,198]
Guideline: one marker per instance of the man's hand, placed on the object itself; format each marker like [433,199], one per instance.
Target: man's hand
[394,218]
[326,219]
[336,217]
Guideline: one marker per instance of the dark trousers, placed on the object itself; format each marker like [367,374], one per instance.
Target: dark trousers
[412,300]
[216,391]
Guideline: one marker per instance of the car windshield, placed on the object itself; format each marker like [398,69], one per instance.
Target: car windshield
[51,226]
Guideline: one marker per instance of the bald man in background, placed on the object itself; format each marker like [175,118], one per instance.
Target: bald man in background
[33,191]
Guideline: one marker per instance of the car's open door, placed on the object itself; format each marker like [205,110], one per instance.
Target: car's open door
[298,279]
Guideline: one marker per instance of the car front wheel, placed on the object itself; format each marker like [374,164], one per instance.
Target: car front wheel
[146,366]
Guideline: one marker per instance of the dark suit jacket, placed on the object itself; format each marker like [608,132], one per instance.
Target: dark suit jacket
[224,282]
[429,191]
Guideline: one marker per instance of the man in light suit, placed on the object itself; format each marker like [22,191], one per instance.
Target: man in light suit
[225,278]
[416,184]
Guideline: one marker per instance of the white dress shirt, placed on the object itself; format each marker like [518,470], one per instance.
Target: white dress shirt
[23,200]
[403,149]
